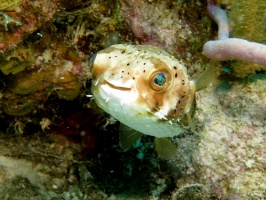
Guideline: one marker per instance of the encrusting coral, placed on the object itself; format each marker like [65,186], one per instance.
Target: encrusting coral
[246,21]
[59,70]
[8,21]
[9,5]
[168,25]
[227,154]
[23,18]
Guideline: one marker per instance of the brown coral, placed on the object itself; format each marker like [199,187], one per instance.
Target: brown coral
[30,15]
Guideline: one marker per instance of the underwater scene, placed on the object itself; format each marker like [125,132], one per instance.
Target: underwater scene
[132,100]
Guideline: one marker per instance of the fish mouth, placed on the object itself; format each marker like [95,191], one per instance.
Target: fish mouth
[116,87]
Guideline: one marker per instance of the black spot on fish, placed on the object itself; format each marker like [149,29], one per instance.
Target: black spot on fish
[144,63]
[127,64]
[175,67]
[144,71]
[175,74]
[123,52]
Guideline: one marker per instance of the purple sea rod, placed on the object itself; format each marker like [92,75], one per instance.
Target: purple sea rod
[226,48]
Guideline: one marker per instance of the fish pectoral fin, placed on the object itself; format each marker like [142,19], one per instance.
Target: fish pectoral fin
[204,79]
[165,148]
[128,136]
[190,122]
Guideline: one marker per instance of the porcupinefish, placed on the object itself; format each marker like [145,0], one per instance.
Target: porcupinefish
[146,89]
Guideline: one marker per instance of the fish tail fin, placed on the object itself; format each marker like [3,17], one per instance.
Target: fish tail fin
[128,136]
[165,148]
[204,79]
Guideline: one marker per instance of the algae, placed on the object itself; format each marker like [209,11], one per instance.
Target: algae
[17,60]
[247,21]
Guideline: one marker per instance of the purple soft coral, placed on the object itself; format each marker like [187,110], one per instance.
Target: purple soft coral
[226,48]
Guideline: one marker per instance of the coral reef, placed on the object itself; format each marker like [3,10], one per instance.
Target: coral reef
[167,24]
[227,153]
[192,192]
[43,168]
[54,59]
[10,5]
[16,61]
[8,21]
[246,20]
[34,77]
[226,48]
[29,16]
[66,148]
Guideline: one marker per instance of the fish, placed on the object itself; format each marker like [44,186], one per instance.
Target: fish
[147,89]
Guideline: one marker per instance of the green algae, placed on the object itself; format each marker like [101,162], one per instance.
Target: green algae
[17,60]
[24,83]
[248,20]
[18,105]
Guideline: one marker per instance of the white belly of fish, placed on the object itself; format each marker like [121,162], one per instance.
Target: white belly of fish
[133,115]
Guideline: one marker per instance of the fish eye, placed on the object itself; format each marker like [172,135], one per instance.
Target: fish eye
[160,80]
